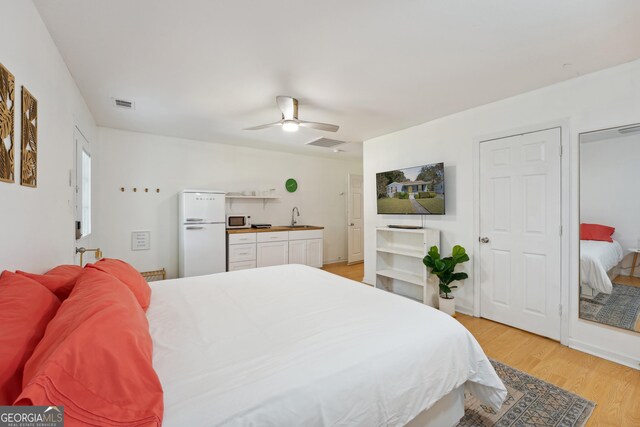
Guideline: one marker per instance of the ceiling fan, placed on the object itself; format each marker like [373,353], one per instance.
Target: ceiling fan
[290,122]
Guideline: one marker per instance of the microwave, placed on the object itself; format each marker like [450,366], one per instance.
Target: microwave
[238,221]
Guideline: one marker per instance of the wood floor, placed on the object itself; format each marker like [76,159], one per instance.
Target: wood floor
[353,272]
[614,388]
[627,280]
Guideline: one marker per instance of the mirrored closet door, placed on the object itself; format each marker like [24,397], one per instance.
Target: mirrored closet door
[610,227]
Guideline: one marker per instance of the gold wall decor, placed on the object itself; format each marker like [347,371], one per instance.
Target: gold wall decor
[7,90]
[29,169]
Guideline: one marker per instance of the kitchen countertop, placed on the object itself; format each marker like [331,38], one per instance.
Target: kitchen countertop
[272,229]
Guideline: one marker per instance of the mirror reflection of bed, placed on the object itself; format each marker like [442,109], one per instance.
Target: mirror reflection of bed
[610,227]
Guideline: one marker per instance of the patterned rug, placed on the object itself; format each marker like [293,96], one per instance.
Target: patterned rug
[621,308]
[530,402]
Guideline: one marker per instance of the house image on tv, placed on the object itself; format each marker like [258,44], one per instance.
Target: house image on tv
[413,187]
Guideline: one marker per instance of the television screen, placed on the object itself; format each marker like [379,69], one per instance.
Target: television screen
[412,191]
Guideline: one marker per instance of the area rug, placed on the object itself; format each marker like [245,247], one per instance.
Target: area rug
[621,308]
[530,402]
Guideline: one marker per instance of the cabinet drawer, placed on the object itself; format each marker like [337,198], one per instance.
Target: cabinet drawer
[305,234]
[235,239]
[274,236]
[241,265]
[245,252]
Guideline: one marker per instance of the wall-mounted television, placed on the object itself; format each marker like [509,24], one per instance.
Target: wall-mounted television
[411,191]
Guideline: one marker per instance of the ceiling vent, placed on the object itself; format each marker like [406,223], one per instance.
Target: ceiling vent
[325,142]
[123,103]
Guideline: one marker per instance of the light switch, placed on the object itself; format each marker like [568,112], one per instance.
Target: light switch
[140,240]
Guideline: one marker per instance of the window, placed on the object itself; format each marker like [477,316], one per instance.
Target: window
[83,186]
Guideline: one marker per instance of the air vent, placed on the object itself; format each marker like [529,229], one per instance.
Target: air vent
[123,103]
[325,142]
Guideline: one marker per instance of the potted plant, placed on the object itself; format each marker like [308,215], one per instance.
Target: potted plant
[444,269]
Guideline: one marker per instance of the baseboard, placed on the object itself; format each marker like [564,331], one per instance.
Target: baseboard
[594,350]
[332,261]
[464,310]
[369,281]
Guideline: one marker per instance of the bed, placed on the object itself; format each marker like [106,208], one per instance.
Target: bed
[293,345]
[597,262]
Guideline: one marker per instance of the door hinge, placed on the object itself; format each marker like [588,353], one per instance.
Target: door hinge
[560,310]
[560,150]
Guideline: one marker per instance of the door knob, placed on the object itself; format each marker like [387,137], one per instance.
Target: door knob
[483,239]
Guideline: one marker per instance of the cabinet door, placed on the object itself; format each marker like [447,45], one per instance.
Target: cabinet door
[275,253]
[245,252]
[314,252]
[298,252]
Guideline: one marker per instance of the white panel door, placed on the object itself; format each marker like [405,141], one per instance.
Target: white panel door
[355,238]
[298,252]
[314,252]
[272,253]
[204,249]
[520,218]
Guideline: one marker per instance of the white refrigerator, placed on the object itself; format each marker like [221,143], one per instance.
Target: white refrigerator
[202,234]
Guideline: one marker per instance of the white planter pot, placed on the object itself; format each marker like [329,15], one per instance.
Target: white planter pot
[447,305]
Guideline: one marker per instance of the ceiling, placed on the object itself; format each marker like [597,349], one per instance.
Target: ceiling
[205,69]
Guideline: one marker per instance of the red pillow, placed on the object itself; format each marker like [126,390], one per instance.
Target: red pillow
[59,280]
[127,275]
[96,358]
[26,307]
[596,232]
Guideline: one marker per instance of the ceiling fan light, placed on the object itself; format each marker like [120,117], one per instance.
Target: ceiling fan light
[290,126]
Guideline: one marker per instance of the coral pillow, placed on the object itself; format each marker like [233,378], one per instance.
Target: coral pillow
[596,232]
[95,358]
[26,307]
[59,280]
[127,275]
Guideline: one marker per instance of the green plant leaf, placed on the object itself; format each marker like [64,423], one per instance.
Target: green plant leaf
[428,261]
[459,254]
[434,253]
[460,276]
[445,289]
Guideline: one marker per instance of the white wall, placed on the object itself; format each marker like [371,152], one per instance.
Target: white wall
[600,100]
[37,225]
[609,179]
[139,160]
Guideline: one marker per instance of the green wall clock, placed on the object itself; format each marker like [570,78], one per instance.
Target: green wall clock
[291,185]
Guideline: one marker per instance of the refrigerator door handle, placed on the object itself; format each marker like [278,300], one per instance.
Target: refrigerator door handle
[194,228]
[194,219]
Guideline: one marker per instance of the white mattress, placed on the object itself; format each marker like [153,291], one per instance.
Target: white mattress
[596,259]
[292,345]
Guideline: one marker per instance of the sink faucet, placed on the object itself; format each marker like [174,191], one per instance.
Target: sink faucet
[293,211]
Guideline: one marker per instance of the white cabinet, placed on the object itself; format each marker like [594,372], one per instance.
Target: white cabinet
[242,265]
[305,247]
[262,249]
[241,251]
[297,252]
[273,253]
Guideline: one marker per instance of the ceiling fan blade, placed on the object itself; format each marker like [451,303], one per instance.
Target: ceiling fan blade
[265,126]
[321,126]
[288,106]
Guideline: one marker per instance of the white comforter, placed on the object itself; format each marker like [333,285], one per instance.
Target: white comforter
[296,346]
[596,259]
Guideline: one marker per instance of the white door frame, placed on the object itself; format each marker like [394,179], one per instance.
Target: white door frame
[565,220]
[349,242]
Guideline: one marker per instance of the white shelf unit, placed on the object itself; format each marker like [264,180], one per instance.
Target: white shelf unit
[264,199]
[399,267]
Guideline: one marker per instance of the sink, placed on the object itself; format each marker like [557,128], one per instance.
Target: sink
[301,226]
